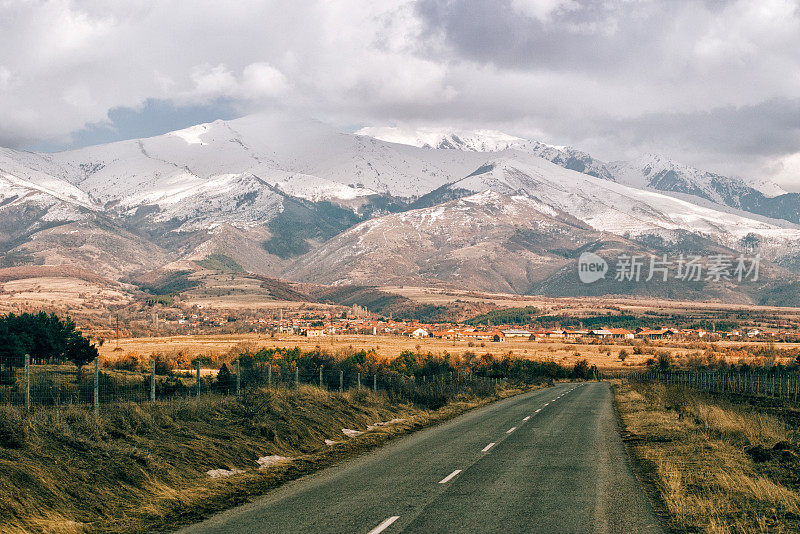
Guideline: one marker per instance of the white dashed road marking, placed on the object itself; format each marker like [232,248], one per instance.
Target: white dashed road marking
[383,526]
[450,477]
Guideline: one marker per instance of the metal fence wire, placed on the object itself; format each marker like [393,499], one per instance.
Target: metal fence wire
[774,383]
[58,384]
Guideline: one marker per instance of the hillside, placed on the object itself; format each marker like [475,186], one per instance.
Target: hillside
[279,196]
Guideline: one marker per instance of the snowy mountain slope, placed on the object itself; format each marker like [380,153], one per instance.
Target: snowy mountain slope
[496,242]
[272,148]
[176,187]
[624,210]
[488,141]
[654,172]
[445,138]
[485,240]
[658,173]
[282,196]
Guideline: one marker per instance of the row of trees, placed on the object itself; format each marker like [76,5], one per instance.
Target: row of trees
[410,364]
[46,338]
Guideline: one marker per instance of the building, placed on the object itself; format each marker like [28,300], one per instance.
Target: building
[312,331]
[419,333]
[621,333]
[575,334]
[512,333]
[660,333]
[601,333]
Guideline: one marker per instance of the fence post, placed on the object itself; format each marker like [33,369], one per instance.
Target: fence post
[238,378]
[374,382]
[341,381]
[27,383]
[197,367]
[269,376]
[320,377]
[152,381]
[359,381]
[97,389]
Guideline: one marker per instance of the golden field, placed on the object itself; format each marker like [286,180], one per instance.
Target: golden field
[605,356]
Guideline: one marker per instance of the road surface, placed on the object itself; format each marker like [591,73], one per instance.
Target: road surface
[549,461]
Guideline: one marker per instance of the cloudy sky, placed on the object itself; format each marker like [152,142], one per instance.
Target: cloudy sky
[714,83]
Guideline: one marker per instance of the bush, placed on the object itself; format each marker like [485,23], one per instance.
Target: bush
[581,370]
[128,362]
[13,431]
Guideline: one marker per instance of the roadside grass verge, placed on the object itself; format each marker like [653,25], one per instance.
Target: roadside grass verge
[713,464]
[145,468]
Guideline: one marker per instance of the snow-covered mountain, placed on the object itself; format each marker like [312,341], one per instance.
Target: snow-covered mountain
[446,138]
[489,240]
[621,209]
[296,198]
[489,141]
[651,171]
[660,173]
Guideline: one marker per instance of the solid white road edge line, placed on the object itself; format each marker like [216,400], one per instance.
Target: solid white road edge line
[486,448]
[449,477]
[383,526]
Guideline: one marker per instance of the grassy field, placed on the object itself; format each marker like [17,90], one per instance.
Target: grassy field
[714,465]
[146,468]
[603,356]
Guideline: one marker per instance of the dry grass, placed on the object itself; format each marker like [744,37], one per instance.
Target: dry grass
[604,356]
[143,468]
[699,455]
[389,347]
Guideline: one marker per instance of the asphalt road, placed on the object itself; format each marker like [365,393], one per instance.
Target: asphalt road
[548,461]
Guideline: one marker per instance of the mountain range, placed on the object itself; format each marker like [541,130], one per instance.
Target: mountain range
[294,198]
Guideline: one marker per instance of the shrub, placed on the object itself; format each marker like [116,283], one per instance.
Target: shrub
[581,370]
[128,362]
[13,431]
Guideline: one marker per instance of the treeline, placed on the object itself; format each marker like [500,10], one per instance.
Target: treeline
[517,316]
[409,364]
[529,315]
[424,379]
[46,338]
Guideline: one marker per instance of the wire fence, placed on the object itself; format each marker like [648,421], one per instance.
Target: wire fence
[772,383]
[32,386]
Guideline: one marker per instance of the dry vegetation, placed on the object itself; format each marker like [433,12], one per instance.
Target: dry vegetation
[144,468]
[715,465]
[218,348]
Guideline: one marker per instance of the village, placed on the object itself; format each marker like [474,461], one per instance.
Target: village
[355,321]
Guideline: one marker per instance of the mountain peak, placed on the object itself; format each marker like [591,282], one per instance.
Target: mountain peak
[445,138]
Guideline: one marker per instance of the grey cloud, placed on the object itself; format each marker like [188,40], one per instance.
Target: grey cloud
[712,82]
[600,36]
